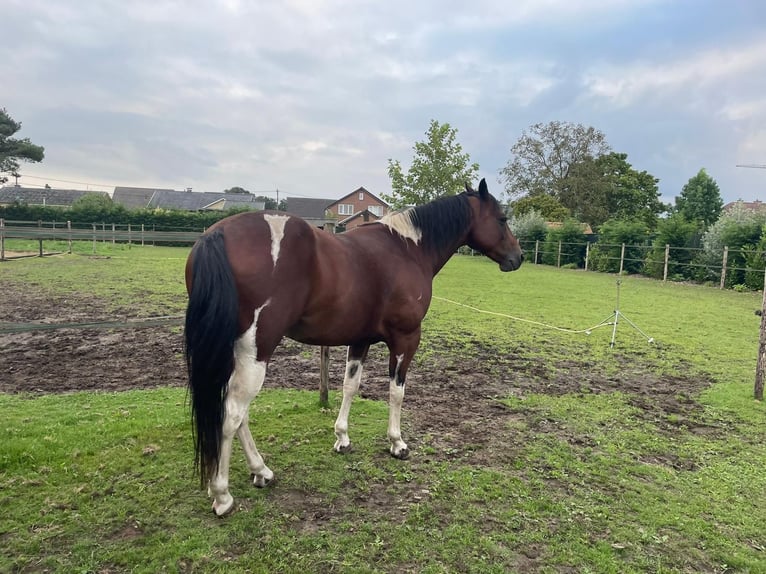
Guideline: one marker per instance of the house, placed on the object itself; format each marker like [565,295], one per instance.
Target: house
[586,229]
[756,206]
[353,209]
[313,210]
[358,207]
[152,198]
[42,196]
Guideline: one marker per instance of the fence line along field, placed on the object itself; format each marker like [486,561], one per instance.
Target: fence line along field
[533,450]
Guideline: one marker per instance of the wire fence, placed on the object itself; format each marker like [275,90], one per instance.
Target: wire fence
[726,267]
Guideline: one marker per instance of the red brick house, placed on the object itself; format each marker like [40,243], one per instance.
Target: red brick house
[357,207]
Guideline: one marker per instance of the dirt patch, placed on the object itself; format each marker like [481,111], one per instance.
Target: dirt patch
[451,397]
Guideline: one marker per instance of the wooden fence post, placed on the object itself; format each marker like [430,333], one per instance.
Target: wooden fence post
[667,257]
[587,254]
[40,225]
[537,249]
[113,239]
[103,232]
[130,238]
[69,236]
[94,238]
[622,258]
[723,266]
[142,235]
[761,365]
[2,239]
[558,258]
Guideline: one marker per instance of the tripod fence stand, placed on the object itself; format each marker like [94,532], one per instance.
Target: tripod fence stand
[615,317]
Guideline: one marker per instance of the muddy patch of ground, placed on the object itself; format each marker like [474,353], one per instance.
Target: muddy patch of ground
[451,398]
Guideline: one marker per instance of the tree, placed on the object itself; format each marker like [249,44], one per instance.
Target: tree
[548,207]
[439,168]
[543,156]
[700,200]
[12,151]
[608,187]
[269,203]
[237,189]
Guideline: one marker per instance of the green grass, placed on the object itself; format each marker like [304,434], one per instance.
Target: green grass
[589,482]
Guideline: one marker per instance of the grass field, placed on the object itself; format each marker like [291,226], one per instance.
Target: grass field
[590,478]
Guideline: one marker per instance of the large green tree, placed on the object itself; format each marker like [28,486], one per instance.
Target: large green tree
[439,168]
[547,206]
[13,151]
[700,200]
[607,187]
[543,156]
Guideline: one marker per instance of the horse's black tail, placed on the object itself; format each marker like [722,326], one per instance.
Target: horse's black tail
[210,332]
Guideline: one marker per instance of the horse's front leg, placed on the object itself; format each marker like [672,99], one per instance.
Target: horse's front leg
[402,349]
[353,376]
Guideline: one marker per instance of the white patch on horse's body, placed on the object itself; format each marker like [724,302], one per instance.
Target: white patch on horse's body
[244,384]
[401,223]
[351,381]
[277,228]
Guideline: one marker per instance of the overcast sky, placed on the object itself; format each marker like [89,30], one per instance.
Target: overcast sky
[314,96]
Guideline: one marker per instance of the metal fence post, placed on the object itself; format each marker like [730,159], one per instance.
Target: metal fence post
[40,225]
[142,235]
[558,258]
[94,238]
[587,254]
[69,236]
[723,266]
[667,257]
[537,249]
[622,258]
[2,239]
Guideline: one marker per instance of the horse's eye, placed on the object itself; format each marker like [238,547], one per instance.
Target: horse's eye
[503,220]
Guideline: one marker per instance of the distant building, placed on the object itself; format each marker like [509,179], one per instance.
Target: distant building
[151,198]
[756,206]
[48,197]
[358,207]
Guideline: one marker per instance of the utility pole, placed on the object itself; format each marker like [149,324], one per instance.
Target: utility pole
[761,365]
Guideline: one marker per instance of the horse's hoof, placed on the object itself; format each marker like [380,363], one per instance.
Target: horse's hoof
[223,509]
[261,481]
[344,449]
[403,454]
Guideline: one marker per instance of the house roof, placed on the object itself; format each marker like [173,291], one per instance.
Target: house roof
[365,213]
[358,190]
[586,229]
[198,201]
[134,197]
[308,207]
[141,197]
[42,196]
[756,205]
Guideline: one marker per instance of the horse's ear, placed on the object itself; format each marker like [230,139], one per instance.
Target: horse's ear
[483,191]
[468,187]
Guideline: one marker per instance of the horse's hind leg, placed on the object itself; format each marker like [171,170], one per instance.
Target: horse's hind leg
[402,350]
[245,383]
[259,472]
[352,378]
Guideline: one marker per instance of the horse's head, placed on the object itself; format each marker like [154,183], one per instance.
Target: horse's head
[489,231]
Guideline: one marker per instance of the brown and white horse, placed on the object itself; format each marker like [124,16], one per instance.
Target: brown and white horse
[256,277]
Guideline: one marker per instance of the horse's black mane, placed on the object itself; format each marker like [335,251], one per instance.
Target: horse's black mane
[442,220]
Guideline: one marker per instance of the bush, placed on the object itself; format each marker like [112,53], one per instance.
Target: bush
[682,236]
[739,229]
[529,228]
[573,242]
[607,252]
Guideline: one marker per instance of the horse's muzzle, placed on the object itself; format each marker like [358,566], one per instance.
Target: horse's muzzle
[512,262]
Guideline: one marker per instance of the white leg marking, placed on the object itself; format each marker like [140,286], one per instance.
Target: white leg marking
[277,228]
[351,381]
[245,383]
[395,399]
